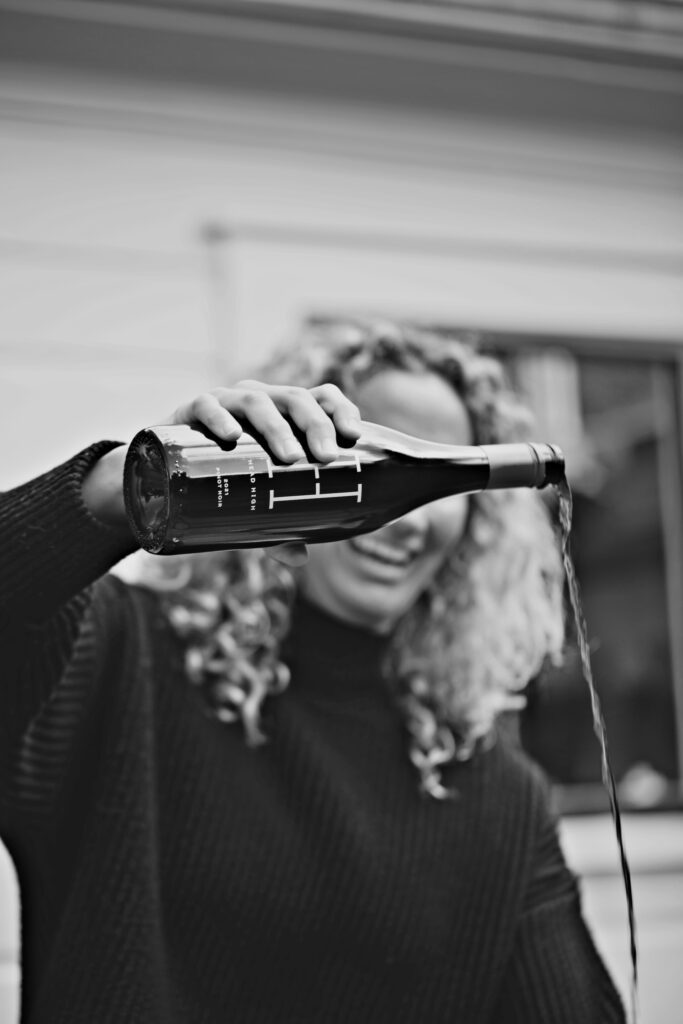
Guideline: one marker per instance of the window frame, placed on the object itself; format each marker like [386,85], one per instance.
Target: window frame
[592,798]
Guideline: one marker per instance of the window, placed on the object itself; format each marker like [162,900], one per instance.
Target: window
[615,410]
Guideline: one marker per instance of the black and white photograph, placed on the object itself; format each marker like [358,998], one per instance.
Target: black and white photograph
[341,511]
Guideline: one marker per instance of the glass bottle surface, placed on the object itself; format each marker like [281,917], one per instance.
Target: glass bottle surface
[184,491]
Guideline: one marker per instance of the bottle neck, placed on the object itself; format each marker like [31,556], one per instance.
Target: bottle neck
[524,464]
[519,464]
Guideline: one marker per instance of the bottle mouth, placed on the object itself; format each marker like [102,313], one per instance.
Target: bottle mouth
[146,491]
[552,460]
[523,464]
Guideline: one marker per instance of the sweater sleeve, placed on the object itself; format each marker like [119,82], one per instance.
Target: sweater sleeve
[52,547]
[52,550]
[556,975]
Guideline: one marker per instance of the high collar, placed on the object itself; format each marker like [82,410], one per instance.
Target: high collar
[332,658]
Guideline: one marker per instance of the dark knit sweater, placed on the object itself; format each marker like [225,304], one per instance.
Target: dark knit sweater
[170,874]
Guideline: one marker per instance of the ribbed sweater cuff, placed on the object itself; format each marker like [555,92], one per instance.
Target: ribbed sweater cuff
[52,545]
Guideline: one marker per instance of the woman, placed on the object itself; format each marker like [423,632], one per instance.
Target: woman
[386,854]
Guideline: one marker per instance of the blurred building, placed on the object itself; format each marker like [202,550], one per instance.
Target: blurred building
[184,181]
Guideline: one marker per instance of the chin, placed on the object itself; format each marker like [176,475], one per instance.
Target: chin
[375,614]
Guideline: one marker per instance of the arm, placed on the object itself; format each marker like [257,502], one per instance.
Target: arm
[53,546]
[52,549]
[64,530]
[555,975]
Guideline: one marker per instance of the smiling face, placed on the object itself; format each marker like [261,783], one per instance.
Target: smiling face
[372,580]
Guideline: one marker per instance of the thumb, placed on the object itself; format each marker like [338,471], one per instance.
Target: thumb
[293,554]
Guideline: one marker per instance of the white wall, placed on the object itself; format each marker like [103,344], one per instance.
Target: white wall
[110,310]
[113,309]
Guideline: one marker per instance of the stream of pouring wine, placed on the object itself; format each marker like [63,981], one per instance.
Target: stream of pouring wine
[565,516]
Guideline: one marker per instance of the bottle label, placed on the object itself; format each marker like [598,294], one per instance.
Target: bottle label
[250,484]
[241,483]
[338,479]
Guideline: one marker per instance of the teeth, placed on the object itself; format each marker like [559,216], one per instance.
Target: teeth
[375,548]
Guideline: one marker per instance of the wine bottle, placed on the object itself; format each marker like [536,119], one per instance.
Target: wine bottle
[185,491]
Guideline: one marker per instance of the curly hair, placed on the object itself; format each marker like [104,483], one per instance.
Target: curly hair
[490,619]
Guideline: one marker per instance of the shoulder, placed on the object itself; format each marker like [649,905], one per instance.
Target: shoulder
[514,792]
[548,876]
[123,614]
[113,593]
[515,772]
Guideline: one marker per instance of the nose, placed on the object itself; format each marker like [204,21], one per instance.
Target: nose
[413,523]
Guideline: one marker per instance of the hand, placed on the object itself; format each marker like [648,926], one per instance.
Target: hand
[320,414]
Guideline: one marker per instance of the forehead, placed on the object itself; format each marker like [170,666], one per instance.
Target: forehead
[419,403]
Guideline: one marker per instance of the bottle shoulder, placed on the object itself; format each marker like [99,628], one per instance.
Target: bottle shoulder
[375,435]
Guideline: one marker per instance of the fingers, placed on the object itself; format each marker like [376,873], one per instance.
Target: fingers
[210,412]
[313,422]
[320,414]
[273,412]
[224,410]
[258,411]
[344,413]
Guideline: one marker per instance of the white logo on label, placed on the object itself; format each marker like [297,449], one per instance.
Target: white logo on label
[357,493]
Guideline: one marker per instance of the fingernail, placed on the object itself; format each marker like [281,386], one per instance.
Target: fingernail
[352,424]
[328,447]
[292,448]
